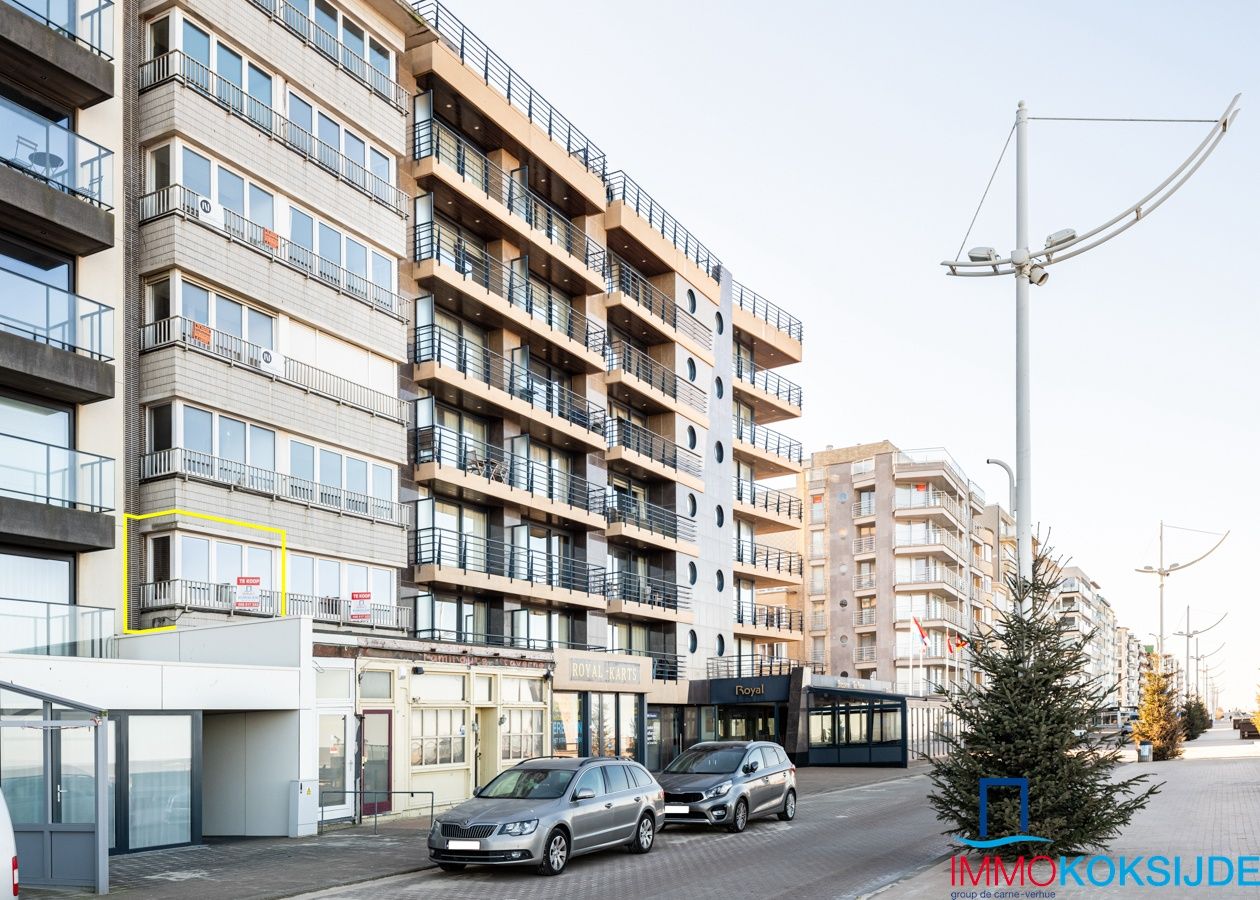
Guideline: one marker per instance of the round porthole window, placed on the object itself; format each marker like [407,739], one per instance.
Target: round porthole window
[719,322]
[720,516]
[691,437]
[691,508]
[691,369]
[691,301]
[692,641]
[721,645]
[692,573]
[719,452]
[718,388]
[721,581]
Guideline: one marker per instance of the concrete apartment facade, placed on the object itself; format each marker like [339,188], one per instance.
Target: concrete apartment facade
[1129,656]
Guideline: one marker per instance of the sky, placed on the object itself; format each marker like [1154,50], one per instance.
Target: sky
[833,153]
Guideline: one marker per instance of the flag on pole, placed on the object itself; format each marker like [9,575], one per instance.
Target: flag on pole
[922,634]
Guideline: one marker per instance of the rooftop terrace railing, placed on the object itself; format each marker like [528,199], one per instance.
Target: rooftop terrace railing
[494,71]
[622,187]
[750,301]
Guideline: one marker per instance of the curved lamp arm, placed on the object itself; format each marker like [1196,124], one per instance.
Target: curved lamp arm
[1177,567]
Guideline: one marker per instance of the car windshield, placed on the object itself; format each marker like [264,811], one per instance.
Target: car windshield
[528,784]
[707,761]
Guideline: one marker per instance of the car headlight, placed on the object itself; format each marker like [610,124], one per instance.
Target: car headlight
[718,790]
[435,827]
[520,829]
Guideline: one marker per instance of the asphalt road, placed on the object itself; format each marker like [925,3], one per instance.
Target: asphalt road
[843,844]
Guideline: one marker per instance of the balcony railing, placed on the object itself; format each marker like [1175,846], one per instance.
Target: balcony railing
[622,187]
[935,610]
[178,200]
[297,21]
[864,581]
[750,665]
[860,467]
[49,315]
[621,507]
[56,155]
[768,559]
[53,629]
[277,485]
[864,507]
[767,380]
[471,553]
[665,666]
[88,23]
[769,440]
[635,588]
[436,344]
[434,443]
[182,593]
[939,574]
[179,67]
[930,500]
[763,309]
[931,538]
[494,71]
[818,622]
[864,544]
[56,476]
[434,138]
[624,433]
[621,277]
[777,618]
[486,639]
[770,500]
[931,458]
[432,241]
[633,361]
[239,352]
[864,616]
[865,653]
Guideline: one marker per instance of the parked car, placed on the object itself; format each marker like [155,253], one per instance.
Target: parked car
[545,811]
[728,783]
[8,844]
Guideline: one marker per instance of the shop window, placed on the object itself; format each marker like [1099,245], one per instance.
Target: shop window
[437,737]
[437,687]
[522,736]
[332,684]
[520,690]
[483,687]
[566,723]
[375,686]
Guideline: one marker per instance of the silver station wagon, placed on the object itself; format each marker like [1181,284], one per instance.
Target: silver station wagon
[545,811]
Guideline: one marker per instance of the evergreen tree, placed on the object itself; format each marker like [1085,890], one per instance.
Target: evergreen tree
[1194,718]
[1157,713]
[1255,718]
[1034,718]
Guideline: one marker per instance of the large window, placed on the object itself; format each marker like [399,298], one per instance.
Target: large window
[159,769]
[522,735]
[44,577]
[566,723]
[437,736]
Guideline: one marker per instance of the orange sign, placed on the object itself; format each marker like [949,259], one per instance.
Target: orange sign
[201,332]
[271,239]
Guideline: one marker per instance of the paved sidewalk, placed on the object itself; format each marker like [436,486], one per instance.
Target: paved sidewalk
[269,868]
[1209,806]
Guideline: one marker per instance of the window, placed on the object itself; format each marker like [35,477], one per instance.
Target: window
[592,780]
[437,737]
[817,583]
[817,510]
[376,686]
[616,778]
[196,173]
[521,690]
[435,686]
[522,736]
[817,543]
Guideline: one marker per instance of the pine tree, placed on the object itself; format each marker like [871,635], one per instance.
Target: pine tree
[1255,719]
[1157,713]
[1194,718]
[1034,718]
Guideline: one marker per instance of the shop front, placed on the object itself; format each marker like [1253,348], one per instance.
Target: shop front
[597,704]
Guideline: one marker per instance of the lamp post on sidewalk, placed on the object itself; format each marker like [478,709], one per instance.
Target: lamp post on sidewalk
[1187,634]
[1163,572]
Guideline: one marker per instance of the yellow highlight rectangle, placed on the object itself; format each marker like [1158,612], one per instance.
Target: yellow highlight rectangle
[223,520]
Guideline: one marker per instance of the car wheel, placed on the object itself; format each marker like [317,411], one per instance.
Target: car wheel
[644,835]
[788,813]
[555,853]
[451,867]
[739,821]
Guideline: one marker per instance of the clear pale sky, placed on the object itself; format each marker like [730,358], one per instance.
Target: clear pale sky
[833,153]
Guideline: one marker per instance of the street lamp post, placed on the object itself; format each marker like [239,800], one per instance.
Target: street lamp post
[1187,634]
[1163,572]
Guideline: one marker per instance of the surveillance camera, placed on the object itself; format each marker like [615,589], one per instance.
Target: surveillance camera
[1037,275]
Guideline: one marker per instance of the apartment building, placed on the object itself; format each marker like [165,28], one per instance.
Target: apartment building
[1129,655]
[1085,614]
[895,538]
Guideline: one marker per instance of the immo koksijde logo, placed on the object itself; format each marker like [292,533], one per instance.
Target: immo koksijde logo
[1041,871]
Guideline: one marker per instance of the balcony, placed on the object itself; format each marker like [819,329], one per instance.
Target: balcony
[930,500]
[205,596]
[769,621]
[754,665]
[773,509]
[54,183]
[495,72]
[650,453]
[467,463]
[177,200]
[864,616]
[622,189]
[864,544]
[507,293]
[55,497]
[818,622]
[311,34]
[179,68]
[472,562]
[865,653]
[645,597]
[933,537]
[863,507]
[665,666]
[776,333]
[864,581]
[54,343]
[178,331]
[772,396]
[935,575]
[544,225]
[925,462]
[771,452]
[665,391]
[647,523]
[769,565]
[34,627]
[60,50]
[441,355]
[651,307]
[277,485]
[935,611]
[487,639]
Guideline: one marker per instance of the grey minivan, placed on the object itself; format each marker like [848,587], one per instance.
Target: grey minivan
[729,782]
[547,810]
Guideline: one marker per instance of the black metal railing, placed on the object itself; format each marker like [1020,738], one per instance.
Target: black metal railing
[178,66]
[432,241]
[763,309]
[494,71]
[621,507]
[769,440]
[486,639]
[770,559]
[624,433]
[472,553]
[621,277]
[647,590]
[768,380]
[754,665]
[633,361]
[665,666]
[433,138]
[779,618]
[436,344]
[775,502]
[434,443]
[622,187]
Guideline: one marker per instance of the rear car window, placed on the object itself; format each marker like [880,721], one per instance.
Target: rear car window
[616,776]
[779,758]
[640,776]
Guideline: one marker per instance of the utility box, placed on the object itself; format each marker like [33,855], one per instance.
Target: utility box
[1145,751]
[303,807]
